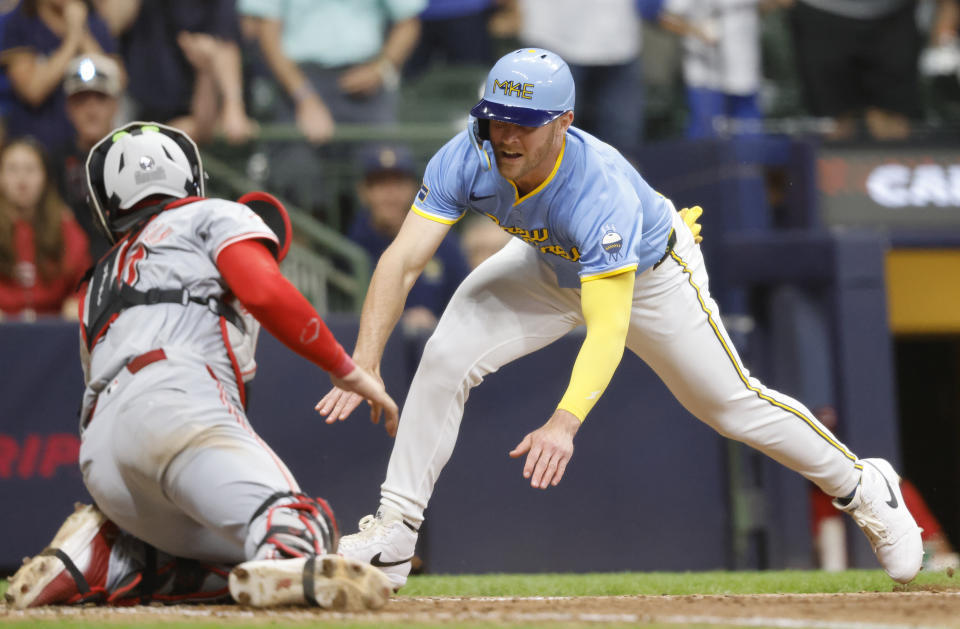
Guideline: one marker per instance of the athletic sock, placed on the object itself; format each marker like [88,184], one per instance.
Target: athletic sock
[845,500]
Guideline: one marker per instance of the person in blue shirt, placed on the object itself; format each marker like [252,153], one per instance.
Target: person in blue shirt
[388,186]
[593,244]
[39,39]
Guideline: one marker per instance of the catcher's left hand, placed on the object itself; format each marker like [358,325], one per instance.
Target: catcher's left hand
[690,216]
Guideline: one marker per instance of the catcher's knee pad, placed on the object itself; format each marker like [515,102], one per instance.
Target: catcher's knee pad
[291,525]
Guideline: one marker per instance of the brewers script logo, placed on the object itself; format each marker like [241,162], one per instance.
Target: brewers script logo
[612,242]
[538,238]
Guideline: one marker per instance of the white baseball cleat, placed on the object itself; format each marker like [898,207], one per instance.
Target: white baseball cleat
[72,569]
[327,581]
[385,541]
[878,509]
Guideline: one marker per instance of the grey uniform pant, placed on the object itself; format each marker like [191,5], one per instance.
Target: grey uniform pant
[172,461]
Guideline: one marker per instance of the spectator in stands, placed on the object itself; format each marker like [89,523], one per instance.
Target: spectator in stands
[39,40]
[600,41]
[7,9]
[940,59]
[335,62]
[721,64]
[43,252]
[481,239]
[387,190]
[93,88]
[945,27]
[859,60]
[829,535]
[184,63]
[453,32]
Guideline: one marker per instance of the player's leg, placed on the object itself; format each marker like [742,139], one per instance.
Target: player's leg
[91,560]
[508,307]
[193,479]
[676,329]
[289,539]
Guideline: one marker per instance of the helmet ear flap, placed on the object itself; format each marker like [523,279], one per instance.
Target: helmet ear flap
[483,128]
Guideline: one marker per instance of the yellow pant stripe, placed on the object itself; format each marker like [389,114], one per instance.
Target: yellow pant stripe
[743,378]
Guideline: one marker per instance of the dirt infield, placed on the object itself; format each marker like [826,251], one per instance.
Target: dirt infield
[906,608]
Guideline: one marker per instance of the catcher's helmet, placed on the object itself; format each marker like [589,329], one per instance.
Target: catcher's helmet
[529,87]
[135,162]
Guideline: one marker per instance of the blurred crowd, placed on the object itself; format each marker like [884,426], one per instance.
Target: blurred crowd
[74,69]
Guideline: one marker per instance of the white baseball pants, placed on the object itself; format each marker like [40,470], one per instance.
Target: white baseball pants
[511,305]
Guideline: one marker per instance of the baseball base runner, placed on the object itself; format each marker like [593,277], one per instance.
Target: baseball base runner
[596,245]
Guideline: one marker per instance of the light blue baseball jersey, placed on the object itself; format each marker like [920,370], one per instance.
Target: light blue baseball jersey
[593,216]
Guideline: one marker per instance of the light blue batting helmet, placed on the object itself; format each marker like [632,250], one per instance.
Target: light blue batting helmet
[529,87]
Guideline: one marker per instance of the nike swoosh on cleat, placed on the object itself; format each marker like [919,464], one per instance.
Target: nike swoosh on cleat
[375,561]
[474,197]
[892,503]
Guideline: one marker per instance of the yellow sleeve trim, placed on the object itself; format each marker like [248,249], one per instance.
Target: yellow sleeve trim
[598,276]
[434,217]
[607,306]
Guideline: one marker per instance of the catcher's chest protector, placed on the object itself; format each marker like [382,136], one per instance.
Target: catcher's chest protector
[110,290]
[103,294]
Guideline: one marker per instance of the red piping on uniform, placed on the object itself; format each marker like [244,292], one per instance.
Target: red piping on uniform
[246,427]
[233,362]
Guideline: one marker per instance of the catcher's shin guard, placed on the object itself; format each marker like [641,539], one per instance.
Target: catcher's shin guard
[175,580]
[289,525]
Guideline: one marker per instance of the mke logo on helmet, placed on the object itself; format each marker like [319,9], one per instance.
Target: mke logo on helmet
[148,171]
[512,88]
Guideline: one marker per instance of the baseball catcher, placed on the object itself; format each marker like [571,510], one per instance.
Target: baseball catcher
[190,503]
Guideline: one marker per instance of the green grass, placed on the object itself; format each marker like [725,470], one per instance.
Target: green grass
[609,584]
[657,583]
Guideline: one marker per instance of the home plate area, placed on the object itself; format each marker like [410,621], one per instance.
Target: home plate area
[902,608]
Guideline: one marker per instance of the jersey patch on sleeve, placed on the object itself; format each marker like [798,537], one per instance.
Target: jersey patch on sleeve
[422,195]
[612,242]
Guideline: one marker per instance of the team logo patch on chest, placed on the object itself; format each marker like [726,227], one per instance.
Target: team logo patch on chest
[612,242]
